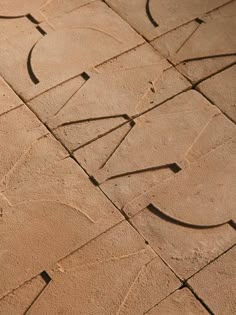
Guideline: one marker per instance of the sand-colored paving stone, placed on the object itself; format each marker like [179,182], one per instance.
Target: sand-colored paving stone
[193,190]
[8,99]
[135,157]
[185,249]
[117,157]
[202,47]
[216,284]
[220,89]
[81,111]
[54,51]
[48,206]
[217,134]
[125,86]
[181,302]
[117,273]
[153,18]
[199,201]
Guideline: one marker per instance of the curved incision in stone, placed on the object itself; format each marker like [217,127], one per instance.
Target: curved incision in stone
[31,73]
[149,14]
[174,220]
[67,45]
[11,17]
[200,196]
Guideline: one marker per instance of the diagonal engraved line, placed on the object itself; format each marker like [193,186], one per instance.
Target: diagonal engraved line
[187,39]
[118,145]
[22,157]
[73,94]
[99,136]
[154,168]
[207,57]
[200,134]
[133,284]
[37,296]
[103,261]
[74,122]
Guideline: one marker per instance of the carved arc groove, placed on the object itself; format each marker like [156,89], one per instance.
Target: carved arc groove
[149,14]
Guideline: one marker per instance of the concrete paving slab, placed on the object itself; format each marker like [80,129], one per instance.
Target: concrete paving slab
[215,284]
[213,154]
[148,151]
[201,204]
[202,47]
[138,99]
[186,249]
[113,93]
[48,205]
[152,19]
[220,89]
[47,54]
[117,273]
[181,302]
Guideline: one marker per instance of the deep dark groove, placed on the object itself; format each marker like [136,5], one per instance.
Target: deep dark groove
[32,19]
[167,218]
[208,57]
[91,119]
[93,180]
[85,76]
[155,168]
[132,123]
[212,75]
[149,14]
[98,137]
[199,299]
[33,77]
[175,168]
[11,17]
[232,224]
[45,277]
[199,21]
[41,31]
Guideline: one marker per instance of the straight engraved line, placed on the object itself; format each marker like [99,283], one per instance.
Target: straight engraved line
[22,156]
[99,136]
[200,133]
[112,259]
[187,39]
[64,105]
[118,145]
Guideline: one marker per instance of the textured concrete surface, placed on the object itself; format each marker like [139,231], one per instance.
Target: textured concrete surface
[117,157]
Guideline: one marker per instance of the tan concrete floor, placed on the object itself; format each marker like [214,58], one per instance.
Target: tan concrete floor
[117,157]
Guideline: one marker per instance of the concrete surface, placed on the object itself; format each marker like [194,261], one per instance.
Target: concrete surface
[117,157]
